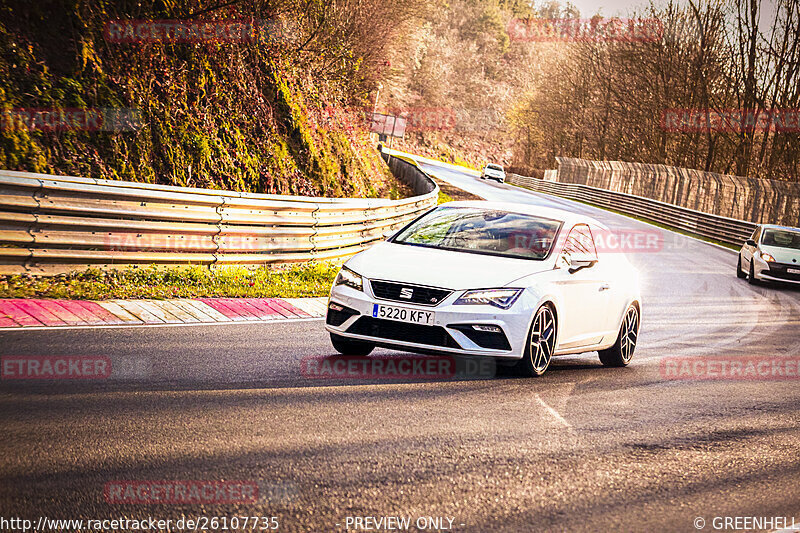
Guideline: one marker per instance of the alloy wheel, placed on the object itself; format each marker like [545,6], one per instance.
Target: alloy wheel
[543,339]
[629,334]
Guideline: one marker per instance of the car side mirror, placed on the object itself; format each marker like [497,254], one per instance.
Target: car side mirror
[579,263]
[750,242]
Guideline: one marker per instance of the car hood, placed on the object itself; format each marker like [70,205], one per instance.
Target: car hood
[783,255]
[441,268]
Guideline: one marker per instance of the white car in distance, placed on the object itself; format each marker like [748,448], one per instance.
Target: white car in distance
[772,253]
[515,282]
[493,171]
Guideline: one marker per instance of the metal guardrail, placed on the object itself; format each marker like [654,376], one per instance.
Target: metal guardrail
[54,224]
[754,200]
[723,229]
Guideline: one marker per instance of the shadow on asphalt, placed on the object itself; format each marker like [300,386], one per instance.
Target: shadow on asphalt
[72,485]
[783,287]
[567,369]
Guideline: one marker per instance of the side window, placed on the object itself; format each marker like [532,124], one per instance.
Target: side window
[580,243]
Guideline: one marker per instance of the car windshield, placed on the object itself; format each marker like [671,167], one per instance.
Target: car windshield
[781,238]
[483,231]
[494,167]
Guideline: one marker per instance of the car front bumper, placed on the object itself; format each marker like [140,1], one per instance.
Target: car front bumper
[775,271]
[451,331]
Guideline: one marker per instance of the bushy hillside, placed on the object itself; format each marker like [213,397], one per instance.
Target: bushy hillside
[241,114]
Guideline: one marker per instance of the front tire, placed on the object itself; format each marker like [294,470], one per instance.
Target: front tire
[751,278]
[739,272]
[346,346]
[622,352]
[541,344]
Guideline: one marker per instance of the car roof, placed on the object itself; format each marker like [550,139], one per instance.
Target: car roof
[776,226]
[568,217]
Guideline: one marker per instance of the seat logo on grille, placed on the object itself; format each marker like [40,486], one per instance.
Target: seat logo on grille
[406,293]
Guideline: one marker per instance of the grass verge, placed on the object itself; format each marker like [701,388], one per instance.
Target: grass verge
[449,193]
[305,280]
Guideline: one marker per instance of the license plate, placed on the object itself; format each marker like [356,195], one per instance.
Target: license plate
[793,270]
[401,314]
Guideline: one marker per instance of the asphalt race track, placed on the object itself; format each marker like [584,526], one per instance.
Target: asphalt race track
[581,449]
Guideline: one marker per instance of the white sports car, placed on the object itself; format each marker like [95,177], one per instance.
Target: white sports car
[493,171]
[771,254]
[511,281]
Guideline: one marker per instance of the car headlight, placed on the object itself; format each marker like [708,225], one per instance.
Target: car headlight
[349,278]
[766,257]
[502,298]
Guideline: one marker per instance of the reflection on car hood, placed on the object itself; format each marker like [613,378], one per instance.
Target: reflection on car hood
[783,255]
[441,268]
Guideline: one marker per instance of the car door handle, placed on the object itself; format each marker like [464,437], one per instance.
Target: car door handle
[604,287]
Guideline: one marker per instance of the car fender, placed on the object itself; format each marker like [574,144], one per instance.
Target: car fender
[629,301]
[544,297]
[759,266]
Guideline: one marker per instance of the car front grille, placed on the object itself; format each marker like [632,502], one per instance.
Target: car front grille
[403,292]
[779,270]
[401,331]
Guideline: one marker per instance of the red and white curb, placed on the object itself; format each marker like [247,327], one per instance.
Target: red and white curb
[26,313]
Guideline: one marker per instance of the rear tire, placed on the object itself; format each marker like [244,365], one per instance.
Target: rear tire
[346,346]
[622,352]
[541,344]
[739,272]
